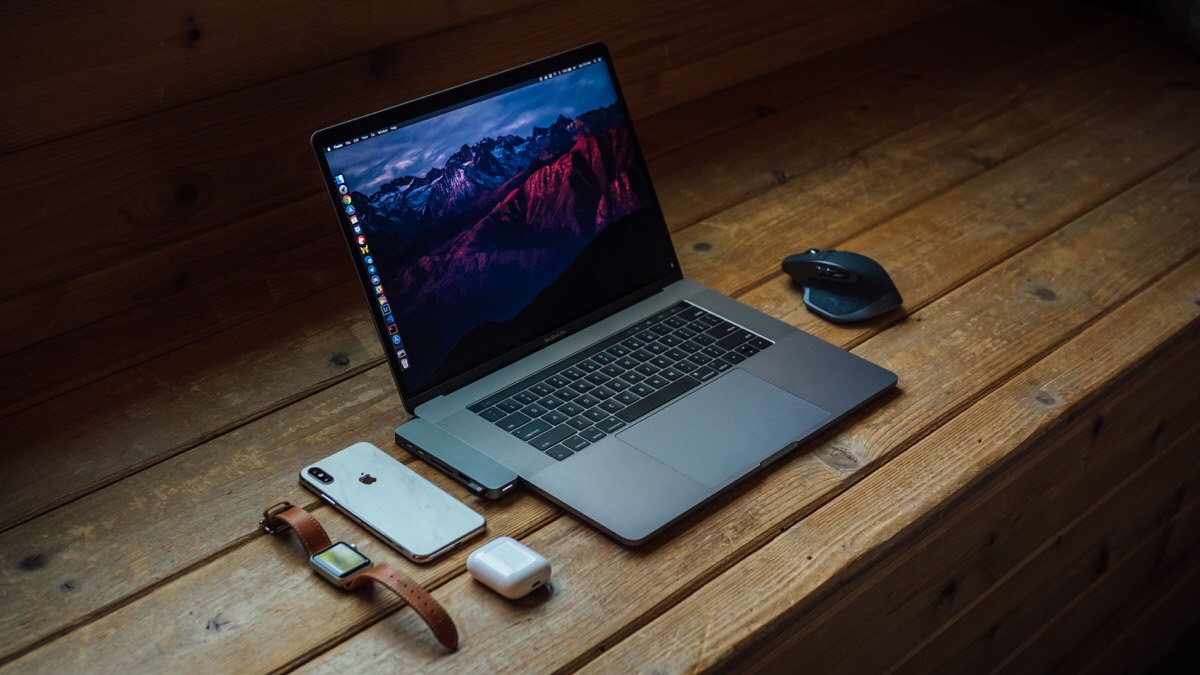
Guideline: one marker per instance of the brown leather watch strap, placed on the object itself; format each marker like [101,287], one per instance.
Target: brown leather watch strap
[283,515]
[417,597]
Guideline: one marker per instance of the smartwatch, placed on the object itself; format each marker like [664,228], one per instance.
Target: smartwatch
[344,566]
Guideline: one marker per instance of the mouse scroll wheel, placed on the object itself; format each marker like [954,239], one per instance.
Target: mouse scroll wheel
[830,272]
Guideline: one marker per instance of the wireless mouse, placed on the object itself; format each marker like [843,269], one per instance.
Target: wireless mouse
[841,286]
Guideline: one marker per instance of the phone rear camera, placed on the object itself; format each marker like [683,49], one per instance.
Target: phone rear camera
[321,475]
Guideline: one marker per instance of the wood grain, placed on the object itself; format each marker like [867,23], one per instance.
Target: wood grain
[821,553]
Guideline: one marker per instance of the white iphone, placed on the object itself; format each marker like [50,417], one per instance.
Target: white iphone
[416,517]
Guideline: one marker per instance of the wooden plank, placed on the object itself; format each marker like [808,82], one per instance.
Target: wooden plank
[811,560]
[163,187]
[1020,539]
[94,404]
[125,60]
[82,560]
[1156,589]
[1120,443]
[611,591]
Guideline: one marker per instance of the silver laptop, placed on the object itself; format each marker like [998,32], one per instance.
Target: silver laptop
[524,285]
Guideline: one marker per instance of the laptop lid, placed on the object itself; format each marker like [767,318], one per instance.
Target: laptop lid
[491,219]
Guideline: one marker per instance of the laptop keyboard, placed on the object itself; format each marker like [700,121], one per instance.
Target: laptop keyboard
[565,408]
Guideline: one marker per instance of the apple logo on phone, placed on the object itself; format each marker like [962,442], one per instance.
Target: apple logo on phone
[367,479]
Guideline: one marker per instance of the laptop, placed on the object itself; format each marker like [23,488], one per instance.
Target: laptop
[522,280]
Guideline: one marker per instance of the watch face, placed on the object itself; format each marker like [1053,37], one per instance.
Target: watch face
[339,561]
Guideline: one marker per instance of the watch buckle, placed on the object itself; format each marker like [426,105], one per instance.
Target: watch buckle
[270,524]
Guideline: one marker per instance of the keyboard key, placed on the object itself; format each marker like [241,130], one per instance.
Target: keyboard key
[703,340]
[557,381]
[662,329]
[656,348]
[633,343]
[553,437]
[572,373]
[671,374]
[597,378]
[710,320]
[633,377]
[722,329]
[525,398]
[602,393]
[550,402]
[675,322]
[704,373]
[642,390]
[542,389]
[595,414]
[555,417]
[619,351]
[747,350]
[534,410]
[559,452]
[685,333]
[617,385]
[669,340]
[566,393]
[592,434]
[576,443]
[587,401]
[692,313]
[528,431]
[588,366]
[647,336]
[690,347]
[603,358]
[493,414]
[580,423]
[570,409]
[582,386]
[698,359]
[720,365]
[676,354]
[686,366]
[659,362]
[670,392]
[627,397]
[713,351]
[612,370]
[609,425]
[512,422]
[657,382]
[627,363]
[610,405]
[642,355]
[509,406]
[760,343]
[733,357]
[650,368]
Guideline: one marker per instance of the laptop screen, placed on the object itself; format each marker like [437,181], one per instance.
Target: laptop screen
[496,222]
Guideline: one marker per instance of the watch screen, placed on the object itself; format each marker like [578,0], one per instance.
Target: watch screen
[341,560]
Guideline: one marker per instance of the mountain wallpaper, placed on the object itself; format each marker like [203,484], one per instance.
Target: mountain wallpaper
[508,235]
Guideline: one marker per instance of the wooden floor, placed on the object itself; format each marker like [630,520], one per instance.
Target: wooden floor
[175,348]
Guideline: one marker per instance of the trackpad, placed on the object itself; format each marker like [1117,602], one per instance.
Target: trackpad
[721,430]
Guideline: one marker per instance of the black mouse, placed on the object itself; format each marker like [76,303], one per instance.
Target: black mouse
[842,286]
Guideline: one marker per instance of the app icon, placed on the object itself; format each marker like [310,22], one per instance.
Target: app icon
[401,353]
[387,309]
[342,189]
[375,279]
[370,267]
[345,199]
[360,239]
[378,289]
[392,330]
[339,180]
[395,339]
[349,209]
[389,319]
[353,220]
[383,301]
[370,261]
[404,363]
[358,229]
[365,250]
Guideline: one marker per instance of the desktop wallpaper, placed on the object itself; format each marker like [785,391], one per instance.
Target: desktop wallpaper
[500,221]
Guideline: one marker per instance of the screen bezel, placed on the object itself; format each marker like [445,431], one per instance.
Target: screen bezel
[407,112]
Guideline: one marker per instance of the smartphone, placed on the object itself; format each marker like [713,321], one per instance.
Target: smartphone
[415,517]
